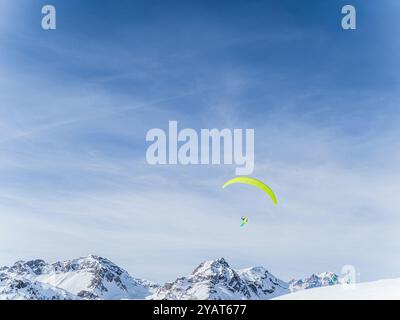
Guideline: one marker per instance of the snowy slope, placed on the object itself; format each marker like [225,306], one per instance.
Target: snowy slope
[216,280]
[377,290]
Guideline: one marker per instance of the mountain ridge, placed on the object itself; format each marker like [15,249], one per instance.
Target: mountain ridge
[97,278]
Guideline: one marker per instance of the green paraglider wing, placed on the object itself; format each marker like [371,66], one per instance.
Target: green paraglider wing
[253,182]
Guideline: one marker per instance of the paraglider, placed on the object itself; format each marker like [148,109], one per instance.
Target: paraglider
[253,182]
[244,221]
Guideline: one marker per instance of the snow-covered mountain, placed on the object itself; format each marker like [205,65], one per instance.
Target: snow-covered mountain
[94,277]
[315,280]
[216,280]
[25,289]
[263,284]
[91,277]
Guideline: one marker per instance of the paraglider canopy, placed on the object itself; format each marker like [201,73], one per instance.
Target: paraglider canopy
[253,182]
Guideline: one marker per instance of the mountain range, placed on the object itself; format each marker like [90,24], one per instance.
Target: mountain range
[97,278]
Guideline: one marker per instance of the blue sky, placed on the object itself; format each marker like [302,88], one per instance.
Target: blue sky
[76,103]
